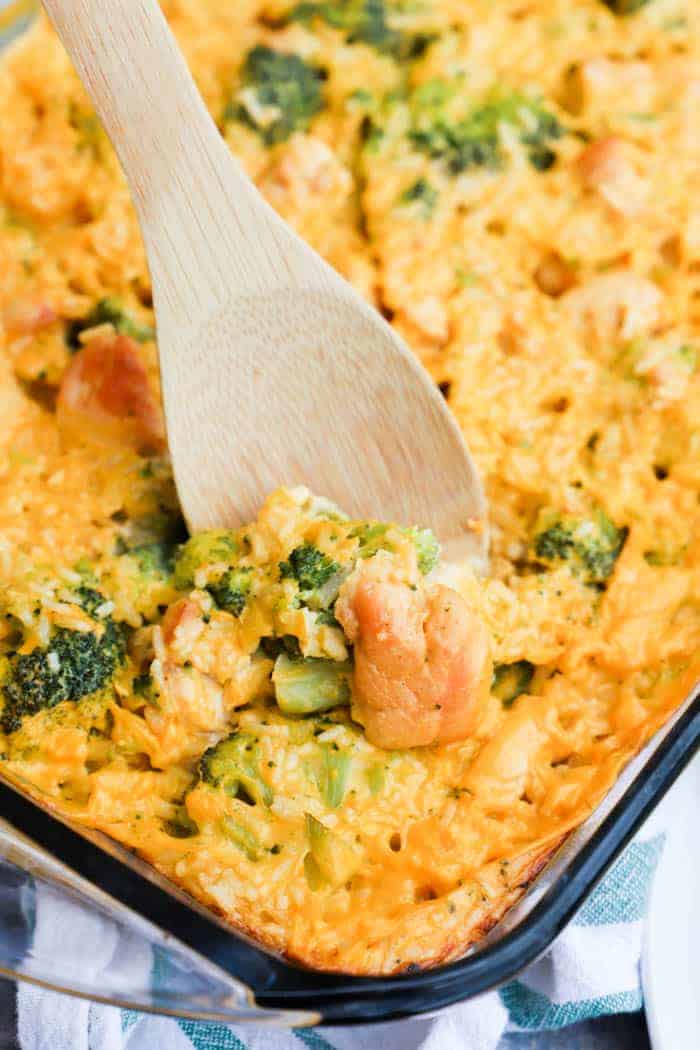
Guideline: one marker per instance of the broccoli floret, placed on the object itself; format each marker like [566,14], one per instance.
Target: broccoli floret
[73,665]
[181,826]
[214,547]
[365,22]
[331,859]
[109,311]
[231,591]
[161,526]
[474,141]
[232,766]
[318,576]
[373,537]
[241,837]
[143,575]
[144,686]
[288,93]
[89,599]
[309,566]
[421,192]
[590,546]
[309,685]
[334,773]
[427,548]
[286,643]
[626,7]
[510,680]
[155,560]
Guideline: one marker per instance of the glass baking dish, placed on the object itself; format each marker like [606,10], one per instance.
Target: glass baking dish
[130,938]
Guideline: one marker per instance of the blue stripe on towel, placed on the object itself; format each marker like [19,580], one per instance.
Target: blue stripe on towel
[532,1010]
[206,1035]
[312,1039]
[622,896]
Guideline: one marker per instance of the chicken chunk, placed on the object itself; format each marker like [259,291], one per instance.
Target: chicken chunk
[191,712]
[305,172]
[27,317]
[105,395]
[608,167]
[613,307]
[422,660]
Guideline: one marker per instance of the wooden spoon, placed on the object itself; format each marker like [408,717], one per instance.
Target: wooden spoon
[274,370]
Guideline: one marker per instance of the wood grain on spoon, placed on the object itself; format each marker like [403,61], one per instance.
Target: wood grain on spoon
[274,370]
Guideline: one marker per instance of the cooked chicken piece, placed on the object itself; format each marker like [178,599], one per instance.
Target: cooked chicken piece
[305,171]
[666,369]
[182,624]
[190,712]
[609,168]
[106,396]
[613,307]
[26,317]
[422,661]
[429,315]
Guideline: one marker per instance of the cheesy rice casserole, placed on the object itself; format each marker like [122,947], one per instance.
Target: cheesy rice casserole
[514,184]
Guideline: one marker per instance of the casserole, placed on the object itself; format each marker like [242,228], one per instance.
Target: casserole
[537,159]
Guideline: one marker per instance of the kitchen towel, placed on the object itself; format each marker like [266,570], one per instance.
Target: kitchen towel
[593,969]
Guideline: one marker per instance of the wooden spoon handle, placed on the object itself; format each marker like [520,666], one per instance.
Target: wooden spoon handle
[200,215]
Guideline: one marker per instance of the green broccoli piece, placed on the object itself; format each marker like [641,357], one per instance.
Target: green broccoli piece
[687,356]
[590,546]
[144,686]
[474,141]
[232,766]
[231,591]
[372,537]
[214,547]
[304,686]
[331,859]
[626,7]
[333,779]
[427,548]
[154,560]
[510,680]
[376,778]
[89,599]
[421,192]
[309,566]
[287,644]
[288,94]
[108,311]
[181,826]
[365,22]
[161,526]
[73,665]
[241,837]
[318,576]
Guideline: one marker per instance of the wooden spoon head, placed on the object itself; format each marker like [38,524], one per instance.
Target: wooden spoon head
[312,387]
[274,370]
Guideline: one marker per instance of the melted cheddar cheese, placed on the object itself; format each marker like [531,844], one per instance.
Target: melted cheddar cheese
[515,186]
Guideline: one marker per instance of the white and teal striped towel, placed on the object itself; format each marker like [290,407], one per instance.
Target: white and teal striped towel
[593,969]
